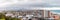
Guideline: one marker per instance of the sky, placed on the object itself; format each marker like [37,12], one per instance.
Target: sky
[29,4]
[13,4]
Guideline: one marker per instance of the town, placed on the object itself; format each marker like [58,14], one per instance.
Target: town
[28,15]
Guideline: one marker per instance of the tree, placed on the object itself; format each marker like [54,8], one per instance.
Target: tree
[2,16]
[14,18]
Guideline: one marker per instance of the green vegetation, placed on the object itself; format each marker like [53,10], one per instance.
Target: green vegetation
[9,18]
[14,19]
[2,16]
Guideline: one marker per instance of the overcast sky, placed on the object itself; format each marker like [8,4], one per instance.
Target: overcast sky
[53,5]
[28,4]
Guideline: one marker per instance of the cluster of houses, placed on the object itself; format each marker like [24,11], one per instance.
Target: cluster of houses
[33,15]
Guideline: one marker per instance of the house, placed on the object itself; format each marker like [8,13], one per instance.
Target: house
[8,14]
[56,17]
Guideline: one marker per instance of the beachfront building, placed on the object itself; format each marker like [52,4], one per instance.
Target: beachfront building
[28,14]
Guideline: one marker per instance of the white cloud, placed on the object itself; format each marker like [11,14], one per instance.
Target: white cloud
[53,2]
[7,2]
[24,3]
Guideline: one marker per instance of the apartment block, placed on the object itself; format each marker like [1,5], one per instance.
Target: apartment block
[28,14]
